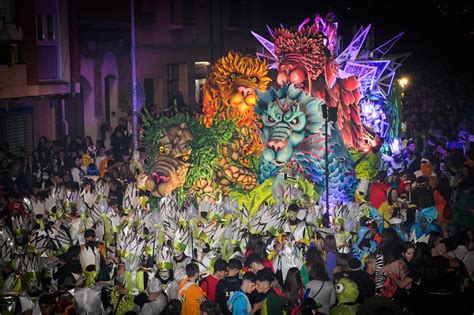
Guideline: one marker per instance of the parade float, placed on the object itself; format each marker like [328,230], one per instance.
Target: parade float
[264,160]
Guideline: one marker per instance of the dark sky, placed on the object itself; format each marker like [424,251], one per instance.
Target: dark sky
[442,31]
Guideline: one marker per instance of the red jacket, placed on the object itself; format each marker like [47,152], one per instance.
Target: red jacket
[208,285]
[266,262]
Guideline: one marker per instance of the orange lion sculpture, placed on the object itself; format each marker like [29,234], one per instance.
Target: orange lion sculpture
[230,92]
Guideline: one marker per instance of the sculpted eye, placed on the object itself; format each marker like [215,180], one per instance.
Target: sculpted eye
[295,121]
[270,119]
[339,287]
[233,76]
[162,149]
[254,79]
[185,158]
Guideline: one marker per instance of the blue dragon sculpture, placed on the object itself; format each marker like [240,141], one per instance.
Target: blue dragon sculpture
[292,127]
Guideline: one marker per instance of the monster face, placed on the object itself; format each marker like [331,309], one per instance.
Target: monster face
[302,55]
[291,71]
[293,128]
[233,82]
[284,129]
[171,165]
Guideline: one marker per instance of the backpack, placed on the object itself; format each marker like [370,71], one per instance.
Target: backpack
[389,288]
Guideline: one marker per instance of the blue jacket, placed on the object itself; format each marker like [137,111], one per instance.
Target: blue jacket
[359,253]
[239,303]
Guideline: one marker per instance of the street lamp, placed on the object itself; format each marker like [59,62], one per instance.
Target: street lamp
[403,82]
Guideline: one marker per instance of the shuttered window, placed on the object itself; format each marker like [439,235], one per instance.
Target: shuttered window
[16,128]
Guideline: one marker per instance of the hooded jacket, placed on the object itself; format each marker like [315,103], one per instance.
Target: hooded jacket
[358,252]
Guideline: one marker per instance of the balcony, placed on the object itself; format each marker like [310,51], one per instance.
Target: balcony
[11,52]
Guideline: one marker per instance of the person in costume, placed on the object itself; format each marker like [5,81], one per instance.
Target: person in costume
[288,257]
[343,237]
[390,206]
[424,225]
[180,259]
[364,245]
[347,293]
[93,253]
[165,272]
[379,189]
[296,224]
[152,301]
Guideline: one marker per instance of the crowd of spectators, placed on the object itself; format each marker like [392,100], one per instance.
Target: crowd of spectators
[410,262]
[69,161]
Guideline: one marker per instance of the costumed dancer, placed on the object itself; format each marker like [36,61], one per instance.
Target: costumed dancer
[346,293]
[181,245]
[424,224]
[288,257]
[165,272]
[343,235]
[365,245]
[153,300]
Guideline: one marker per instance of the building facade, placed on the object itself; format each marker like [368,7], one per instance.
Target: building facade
[176,42]
[67,71]
[39,72]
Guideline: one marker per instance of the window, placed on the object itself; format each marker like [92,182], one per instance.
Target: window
[3,14]
[201,69]
[16,128]
[46,27]
[173,82]
[47,39]
[149,88]
[182,12]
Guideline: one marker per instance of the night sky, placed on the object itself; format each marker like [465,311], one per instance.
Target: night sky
[438,31]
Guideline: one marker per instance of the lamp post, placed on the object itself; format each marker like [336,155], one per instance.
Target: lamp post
[134,77]
[326,159]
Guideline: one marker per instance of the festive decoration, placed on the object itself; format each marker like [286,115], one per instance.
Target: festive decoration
[293,127]
[305,59]
[376,70]
[229,93]
[347,292]
[215,154]
[171,163]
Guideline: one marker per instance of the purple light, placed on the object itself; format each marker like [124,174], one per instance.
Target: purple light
[364,73]
[380,66]
[383,49]
[352,51]
[302,24]
[269,46]
[385,83]
[372,115]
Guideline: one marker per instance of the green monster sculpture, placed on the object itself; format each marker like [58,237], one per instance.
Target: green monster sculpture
[347,293]
[188,157]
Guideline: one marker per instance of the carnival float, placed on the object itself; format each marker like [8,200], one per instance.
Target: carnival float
[290,159]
